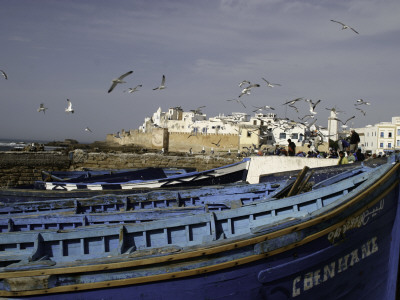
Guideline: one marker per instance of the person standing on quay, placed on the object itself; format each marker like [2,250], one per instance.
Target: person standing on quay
[354,140]
[291,148]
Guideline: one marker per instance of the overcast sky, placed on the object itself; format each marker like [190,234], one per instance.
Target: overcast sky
[53,50]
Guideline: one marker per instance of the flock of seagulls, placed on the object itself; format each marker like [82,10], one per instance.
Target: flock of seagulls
[246,88]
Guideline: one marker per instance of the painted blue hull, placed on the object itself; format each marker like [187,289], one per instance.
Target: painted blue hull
[362,264]
[349,249]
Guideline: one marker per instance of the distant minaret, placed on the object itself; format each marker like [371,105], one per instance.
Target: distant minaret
[333,126]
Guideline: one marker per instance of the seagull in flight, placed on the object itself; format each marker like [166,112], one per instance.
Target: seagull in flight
[265,107]
[344,26]
[271,85]
[87,129]
[313,105]
[42,108]
[162,85]
[362,111]
[247,89]
[344,123]
[4,74]
[361,102]
[238,101]
[306,117]
[291,102]
[118,80]
[69,108]
[295,108]
[136,88]
[197,110]
[217,143]
[334,109]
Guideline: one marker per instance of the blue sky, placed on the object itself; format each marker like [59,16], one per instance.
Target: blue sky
[54,50]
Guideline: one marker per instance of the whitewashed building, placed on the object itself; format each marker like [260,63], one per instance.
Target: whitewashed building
[381,138]
[256,131]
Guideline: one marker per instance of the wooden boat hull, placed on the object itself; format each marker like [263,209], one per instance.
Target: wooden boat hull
[346,251]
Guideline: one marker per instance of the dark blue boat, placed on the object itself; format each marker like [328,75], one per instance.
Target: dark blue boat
[339,241]
[45,190]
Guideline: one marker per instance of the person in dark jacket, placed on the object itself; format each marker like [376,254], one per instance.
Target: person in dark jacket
[291,148]
[360,155]
[354,140]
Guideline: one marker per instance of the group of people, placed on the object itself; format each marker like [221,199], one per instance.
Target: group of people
[347,150]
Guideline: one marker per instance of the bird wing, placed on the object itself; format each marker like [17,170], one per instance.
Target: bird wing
[114,84]
[349,119]
[4,74]
[124,75]
[354,30]
[315,104]
[243,82]
[339,22]
[163,80]
[265,80]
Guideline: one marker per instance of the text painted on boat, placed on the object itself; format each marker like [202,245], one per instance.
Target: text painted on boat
[314,278]
[356,222]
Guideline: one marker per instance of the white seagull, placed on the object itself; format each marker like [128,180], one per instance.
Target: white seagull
[313,105]
[118,80]
[344,123]
[361,102]
[344,26]
[271,85]
[69,108]
[87,129]
[136,88]
[162,86]
[42,108]
[247,89]
[4,74]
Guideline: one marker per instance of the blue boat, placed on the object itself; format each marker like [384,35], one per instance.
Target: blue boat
[113,209]
[44,190]
[119,175]
[338,241]
[226,174]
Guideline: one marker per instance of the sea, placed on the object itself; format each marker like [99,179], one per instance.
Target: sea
[15,145]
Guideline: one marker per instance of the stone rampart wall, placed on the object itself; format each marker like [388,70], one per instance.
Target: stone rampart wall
[219,142]
[23,168]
